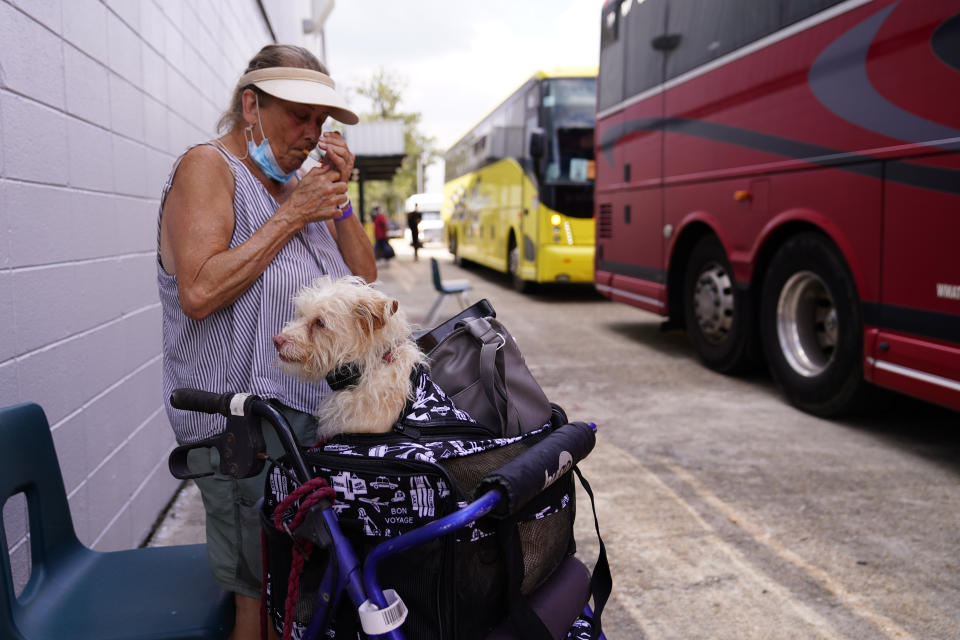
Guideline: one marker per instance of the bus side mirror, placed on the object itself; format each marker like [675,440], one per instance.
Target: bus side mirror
[537,144]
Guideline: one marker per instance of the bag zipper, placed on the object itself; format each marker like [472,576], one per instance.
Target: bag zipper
[448,428]
[403,431]
[384,466]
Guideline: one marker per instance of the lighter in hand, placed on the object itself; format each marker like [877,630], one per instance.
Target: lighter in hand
[314,159]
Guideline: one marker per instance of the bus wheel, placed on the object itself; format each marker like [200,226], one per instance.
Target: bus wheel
[513,256]
[455,250]
[719,317]
[452,245]
[812,328]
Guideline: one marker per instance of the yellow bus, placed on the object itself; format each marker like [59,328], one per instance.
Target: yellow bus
[518,195]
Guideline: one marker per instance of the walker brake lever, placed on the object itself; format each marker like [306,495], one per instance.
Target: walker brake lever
[178,462]
[241,447]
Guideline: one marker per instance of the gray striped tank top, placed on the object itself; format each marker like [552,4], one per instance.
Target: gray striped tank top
[232,349]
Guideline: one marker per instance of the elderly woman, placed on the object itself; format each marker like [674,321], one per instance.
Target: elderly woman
[240,231]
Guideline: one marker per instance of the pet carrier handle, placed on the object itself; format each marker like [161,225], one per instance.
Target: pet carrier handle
[524,477]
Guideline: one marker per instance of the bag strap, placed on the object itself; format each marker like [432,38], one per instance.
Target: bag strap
[491,366]
[525,621]
[601,581]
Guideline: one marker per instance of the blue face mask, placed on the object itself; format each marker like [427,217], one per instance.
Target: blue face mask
[263,156]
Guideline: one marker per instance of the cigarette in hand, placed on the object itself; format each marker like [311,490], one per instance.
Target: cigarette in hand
[314,159]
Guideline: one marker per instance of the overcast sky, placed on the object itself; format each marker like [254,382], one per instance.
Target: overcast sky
[458,59]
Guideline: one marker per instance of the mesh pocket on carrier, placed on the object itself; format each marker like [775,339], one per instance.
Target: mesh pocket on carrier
[546,526]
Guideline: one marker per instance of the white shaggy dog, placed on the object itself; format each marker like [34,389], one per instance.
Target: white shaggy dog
[354,336]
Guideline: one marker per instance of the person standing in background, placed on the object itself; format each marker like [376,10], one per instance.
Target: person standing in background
[413,221]
[381,234]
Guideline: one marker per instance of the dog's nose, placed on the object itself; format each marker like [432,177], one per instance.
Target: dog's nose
[279,341]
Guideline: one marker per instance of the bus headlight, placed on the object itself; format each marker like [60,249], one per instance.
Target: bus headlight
[555,221]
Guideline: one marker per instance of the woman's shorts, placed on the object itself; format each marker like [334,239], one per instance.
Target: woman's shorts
[233,523]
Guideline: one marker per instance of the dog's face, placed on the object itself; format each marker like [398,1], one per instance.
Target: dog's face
[337,322]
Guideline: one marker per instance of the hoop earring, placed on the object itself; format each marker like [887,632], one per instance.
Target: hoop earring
[247,137]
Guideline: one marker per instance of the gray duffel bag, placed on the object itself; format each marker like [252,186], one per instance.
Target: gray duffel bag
[479,366]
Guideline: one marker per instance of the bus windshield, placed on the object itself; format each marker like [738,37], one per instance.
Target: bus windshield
[568,112]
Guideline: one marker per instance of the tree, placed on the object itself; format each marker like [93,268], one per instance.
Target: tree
[384,90]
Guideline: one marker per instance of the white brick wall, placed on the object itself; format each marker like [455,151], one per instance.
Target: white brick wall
[97,98]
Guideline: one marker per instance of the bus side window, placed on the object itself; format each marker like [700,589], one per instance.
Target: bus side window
[531,126]
[795,10]
[610,27]
[612,48]
[643,23]
[709,30]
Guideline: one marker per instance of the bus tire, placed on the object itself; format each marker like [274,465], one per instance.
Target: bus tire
[720,317]
[513,266]
[812,328]
[455,250]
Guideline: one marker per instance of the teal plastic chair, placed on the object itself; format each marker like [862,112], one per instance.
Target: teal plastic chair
[77,593]
[445,288]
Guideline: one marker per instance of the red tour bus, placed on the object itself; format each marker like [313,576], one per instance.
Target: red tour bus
[781,178]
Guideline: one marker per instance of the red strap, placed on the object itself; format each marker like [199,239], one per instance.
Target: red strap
[293,587]
[312,492]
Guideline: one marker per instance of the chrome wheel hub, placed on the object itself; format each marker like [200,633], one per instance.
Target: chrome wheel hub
[713,303]
[807,324]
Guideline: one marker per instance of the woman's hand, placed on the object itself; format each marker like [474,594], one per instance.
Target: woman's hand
[338,155]
[318,195]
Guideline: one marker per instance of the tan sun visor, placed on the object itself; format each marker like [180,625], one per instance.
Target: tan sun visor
[305,86]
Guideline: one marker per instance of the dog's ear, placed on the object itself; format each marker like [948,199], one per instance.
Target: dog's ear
[372,316]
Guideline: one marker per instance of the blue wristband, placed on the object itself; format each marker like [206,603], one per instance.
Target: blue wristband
[346,213]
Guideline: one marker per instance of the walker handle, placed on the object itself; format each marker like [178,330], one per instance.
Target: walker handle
[205,401]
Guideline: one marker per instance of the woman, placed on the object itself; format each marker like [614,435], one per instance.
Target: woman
[239,233]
